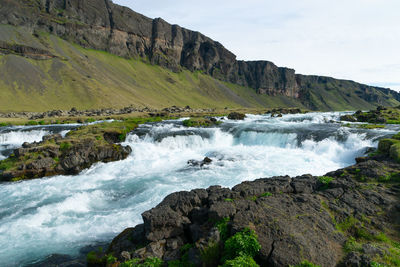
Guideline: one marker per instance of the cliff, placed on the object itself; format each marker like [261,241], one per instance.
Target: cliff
[102,25]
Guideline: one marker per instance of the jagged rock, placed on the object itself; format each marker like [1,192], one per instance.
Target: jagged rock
[47,159]
[291,216]
[200,163]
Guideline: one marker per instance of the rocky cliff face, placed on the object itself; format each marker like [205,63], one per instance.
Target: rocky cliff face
[100,24]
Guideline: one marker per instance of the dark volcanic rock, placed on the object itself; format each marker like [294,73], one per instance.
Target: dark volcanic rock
[294,218]
[53,157]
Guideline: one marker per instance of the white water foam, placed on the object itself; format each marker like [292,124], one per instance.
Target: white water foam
[63,213]
[17,138]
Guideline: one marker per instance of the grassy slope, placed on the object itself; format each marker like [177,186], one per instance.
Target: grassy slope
[85,78]
[340,95]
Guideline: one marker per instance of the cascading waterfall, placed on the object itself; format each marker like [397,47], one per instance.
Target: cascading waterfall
[64,213]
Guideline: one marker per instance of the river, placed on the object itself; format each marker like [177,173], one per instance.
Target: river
[65,213]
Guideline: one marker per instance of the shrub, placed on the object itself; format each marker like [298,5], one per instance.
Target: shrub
[32,123]
[211,255]
[266,194]
[187,123]
[241,261]
[65,146]
[242,244]
[306,264]
[352,245]
[111,259]
[223,228]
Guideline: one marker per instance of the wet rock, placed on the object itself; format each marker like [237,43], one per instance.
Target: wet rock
[349,118]
[201,163]
[236,116]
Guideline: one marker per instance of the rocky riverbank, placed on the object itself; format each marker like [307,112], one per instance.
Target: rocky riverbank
[101,112]
[78,150]
[349,217]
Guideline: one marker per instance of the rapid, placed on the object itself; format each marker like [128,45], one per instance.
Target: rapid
[62,214]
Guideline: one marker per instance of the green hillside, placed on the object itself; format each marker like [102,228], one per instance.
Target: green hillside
[85,78]
[67,75]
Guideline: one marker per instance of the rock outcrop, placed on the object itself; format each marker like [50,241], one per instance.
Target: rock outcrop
[102,25]
[57,156]
[347,218]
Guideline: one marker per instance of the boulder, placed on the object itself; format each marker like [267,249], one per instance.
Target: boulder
[236,116]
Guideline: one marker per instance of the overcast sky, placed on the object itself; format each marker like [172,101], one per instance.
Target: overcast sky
[349,39]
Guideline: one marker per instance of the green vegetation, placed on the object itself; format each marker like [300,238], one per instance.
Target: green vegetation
[325,181]
[241,261]
[184,260]
[32,123]
[95,79]
[86,79]
[266,194]
[101,134]
[364,126]
[64,146]
[8,164]
[199,122]
[306,264]
[222,227]
[211,255]
[149,262]
[242,244]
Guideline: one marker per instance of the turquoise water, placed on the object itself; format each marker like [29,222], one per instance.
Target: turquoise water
[64,213]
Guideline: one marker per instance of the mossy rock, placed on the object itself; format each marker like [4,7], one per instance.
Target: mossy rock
[385,145]
[394,152]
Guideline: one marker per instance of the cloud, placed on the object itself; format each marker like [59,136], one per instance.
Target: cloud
[350,39]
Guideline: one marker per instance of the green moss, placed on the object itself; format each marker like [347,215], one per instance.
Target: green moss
[385,144]
[394,152]
[199,122]
[325,181]
[352,245]
[32,123]
[228,199]
[266,194]
[64,146]
[8,164]
[346,224]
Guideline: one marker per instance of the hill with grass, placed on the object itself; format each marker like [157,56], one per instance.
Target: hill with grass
[58,54]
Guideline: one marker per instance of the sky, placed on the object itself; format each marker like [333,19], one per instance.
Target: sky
[348,39]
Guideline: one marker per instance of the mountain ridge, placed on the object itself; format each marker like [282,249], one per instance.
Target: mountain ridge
[103,25]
